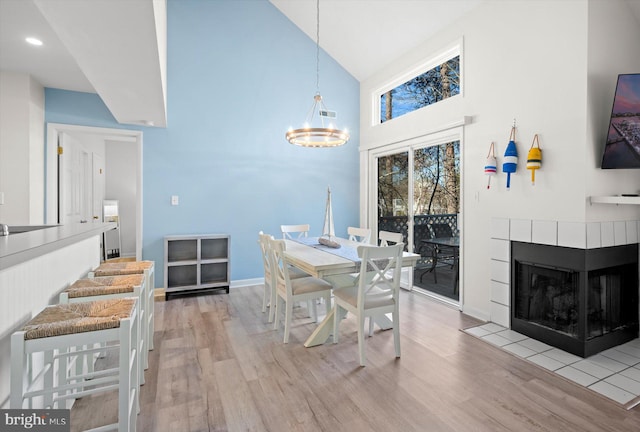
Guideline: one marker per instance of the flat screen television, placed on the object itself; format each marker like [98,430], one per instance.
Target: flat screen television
[622,149]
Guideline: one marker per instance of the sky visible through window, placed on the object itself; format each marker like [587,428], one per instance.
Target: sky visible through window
[436,84]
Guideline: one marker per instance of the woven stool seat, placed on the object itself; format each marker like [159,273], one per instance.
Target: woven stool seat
[104,285]
[72,318]
[122,268]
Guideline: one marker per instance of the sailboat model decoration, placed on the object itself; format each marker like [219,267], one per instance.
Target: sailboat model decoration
[327,228]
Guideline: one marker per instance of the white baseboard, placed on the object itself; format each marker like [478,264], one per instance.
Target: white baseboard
[476,313]
[246,282]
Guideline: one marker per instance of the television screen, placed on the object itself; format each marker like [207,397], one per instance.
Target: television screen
[623,139]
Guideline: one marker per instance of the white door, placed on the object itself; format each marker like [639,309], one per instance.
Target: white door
[73,160]
[76,181]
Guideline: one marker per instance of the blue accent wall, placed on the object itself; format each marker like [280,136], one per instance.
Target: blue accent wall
[239,74]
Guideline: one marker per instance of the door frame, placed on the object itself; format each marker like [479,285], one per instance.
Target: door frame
[51,168]
[371,176]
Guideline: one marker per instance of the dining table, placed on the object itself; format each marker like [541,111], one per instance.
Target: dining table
[320,261]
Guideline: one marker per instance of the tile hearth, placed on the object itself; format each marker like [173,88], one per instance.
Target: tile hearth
[614,373]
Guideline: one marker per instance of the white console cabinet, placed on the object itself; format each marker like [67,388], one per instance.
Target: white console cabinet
[196,263]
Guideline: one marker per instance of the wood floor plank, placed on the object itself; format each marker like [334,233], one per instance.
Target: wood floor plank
[240,411]
[218,366]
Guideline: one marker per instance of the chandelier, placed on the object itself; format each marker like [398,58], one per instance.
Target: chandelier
[323,136]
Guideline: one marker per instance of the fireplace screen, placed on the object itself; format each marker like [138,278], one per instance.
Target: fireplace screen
[548,297]
[581,301]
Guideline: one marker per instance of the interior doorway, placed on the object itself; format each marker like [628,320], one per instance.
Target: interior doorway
[82,185]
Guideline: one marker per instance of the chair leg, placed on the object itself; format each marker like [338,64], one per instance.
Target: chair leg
[361,339]
[266,294]
[370,326]
[396,332]
[287,320]
[274,300]
[327,303]
[336,321]
[276,310]
[313,311]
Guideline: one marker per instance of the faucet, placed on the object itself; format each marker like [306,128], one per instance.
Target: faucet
[4,230]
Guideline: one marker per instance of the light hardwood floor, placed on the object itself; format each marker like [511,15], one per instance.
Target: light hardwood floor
[218,366]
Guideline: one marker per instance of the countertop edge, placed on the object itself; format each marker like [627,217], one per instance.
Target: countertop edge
[23,247]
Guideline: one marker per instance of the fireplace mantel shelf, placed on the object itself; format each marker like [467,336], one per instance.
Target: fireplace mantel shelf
[615,199]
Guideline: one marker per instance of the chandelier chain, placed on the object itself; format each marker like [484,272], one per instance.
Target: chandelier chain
[317,46]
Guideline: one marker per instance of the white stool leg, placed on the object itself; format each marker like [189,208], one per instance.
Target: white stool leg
[18,366]
[127,371]
[150,276]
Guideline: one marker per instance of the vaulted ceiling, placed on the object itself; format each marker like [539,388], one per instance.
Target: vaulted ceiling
[118,48]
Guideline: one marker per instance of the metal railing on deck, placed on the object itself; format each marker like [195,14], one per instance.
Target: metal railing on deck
[421,225]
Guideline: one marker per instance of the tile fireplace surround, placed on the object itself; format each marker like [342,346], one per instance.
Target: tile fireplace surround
[578,235]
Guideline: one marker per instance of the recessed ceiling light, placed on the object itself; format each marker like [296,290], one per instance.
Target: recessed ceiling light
[34,41]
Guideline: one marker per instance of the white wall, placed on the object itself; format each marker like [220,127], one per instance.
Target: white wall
[21,149]
[121,185]
[527,60]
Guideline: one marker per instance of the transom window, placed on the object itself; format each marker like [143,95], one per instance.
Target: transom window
[439,82]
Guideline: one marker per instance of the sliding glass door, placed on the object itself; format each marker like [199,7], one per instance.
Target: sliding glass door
[418,194]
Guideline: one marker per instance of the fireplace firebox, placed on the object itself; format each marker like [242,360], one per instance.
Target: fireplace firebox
[582,301]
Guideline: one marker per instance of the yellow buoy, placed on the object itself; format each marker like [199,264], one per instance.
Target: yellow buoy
[534,158]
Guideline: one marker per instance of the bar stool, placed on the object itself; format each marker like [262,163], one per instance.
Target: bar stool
[56,334]
[106,287]
[129,268]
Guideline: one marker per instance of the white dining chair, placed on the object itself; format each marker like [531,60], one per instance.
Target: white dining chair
[269,295]
[294,231]
[387,236]
[375,291]
[289,290]
[360,235]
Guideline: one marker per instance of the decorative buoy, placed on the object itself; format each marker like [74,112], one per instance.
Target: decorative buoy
[491,166]
[510,163]
[534,158]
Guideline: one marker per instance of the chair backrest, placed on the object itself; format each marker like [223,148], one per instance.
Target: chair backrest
[290,231]
[383,267]
[440,230]
[360,235]
[265,246]
[279,265]
[387,236]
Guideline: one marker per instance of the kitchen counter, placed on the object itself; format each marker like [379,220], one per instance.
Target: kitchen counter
[21,247]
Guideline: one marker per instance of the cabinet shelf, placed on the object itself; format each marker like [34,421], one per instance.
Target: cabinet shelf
[615,199]
[196,263]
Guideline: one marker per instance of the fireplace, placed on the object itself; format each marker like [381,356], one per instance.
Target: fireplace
[582,301]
